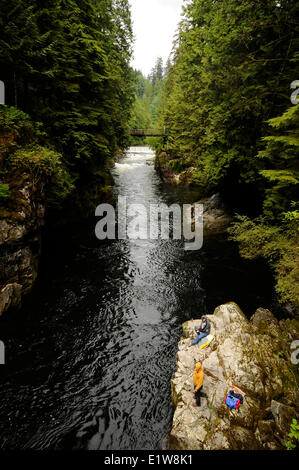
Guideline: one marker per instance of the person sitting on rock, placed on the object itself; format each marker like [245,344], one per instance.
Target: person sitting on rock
[202,330]
[198,376]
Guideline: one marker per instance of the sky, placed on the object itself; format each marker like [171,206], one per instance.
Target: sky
[154,25]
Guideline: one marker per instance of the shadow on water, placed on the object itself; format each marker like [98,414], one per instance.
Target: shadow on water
[91,354]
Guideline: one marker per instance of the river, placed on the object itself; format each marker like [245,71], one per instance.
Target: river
[91,354]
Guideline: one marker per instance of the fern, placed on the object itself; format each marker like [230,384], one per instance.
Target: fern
[4,190]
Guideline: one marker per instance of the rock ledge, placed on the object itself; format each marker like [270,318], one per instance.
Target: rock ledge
[252,354]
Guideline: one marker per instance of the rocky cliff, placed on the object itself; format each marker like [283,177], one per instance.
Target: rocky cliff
[27,167]
[22,217]
[251,354]
[33,177]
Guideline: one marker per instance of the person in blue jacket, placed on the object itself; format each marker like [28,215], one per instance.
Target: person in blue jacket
[202,330]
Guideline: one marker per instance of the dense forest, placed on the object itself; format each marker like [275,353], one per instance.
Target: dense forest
[69,88]
[226,101]
[223,97]
[96,283]
[149,95]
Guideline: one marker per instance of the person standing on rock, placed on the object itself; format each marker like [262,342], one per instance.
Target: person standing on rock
[202,330]
[198,376]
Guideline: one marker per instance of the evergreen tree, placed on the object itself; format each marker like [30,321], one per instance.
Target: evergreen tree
[157,72]
[230,78]
[281,161]
[275,235]
[232,69]
[66,63]
[147,109]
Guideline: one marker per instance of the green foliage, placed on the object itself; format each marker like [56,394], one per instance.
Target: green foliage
[277,239]
[44,166]
[233,64]
[36,160]
[18,125]
[141,117]
[225,101]
[148,96]
[291,215]
[294,435]
[281,156]
[66,64]
[177,165]
[26,151]
[278,244]
[4,190]
[281,354]
[12,117]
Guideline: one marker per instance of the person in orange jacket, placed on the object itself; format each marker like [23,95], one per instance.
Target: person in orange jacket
[198,376]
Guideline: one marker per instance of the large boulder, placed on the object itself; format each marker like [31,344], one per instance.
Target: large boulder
[216,216]
[246,354]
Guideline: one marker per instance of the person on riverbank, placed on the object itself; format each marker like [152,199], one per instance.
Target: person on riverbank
[202,330]
[198,376]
